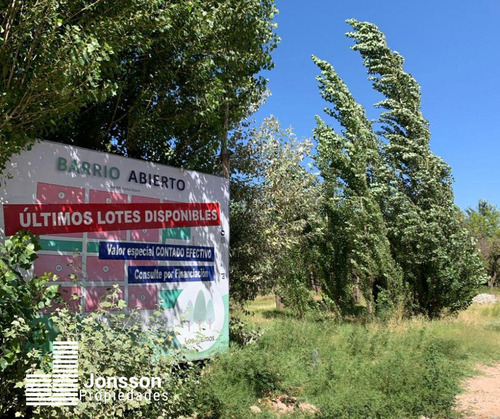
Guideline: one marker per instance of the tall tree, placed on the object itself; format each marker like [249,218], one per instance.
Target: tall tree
[156,79]
[425,229]
[274,223]
[359,264]
[484,225]
[57,56]
[178,100]
[427,233]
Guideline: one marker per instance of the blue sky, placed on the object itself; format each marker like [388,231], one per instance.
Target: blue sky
[452,48]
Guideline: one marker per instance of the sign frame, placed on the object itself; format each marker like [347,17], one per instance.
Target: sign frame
[54,178]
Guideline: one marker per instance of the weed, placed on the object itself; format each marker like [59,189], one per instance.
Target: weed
[399,368]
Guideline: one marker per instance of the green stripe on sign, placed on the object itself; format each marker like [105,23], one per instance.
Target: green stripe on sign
[168,298]
[183,233]
[93,247]
[61,245]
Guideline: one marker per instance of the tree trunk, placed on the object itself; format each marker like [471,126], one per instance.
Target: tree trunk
[371,298]
[492,280]
[279,303]
[370,308]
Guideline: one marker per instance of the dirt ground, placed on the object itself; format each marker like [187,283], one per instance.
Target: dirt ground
[481,396]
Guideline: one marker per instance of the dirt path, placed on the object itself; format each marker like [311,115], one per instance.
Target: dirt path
[481,397]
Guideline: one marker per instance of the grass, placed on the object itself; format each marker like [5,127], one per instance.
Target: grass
[402,369]
[487,290]
[262,304]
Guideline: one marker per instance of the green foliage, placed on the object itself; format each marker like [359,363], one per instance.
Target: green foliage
[389,200]
[57,56]
[360,265]
[109,345]
[21,333]
[410,369]
[193,79]
[274,220]
[241,334]
[161,80]
[485,220]
[119,345]
[484,225]
[294,287]
[254,375]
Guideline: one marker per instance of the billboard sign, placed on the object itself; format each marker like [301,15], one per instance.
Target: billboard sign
[160,233]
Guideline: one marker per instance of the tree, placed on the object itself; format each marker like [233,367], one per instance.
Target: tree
[197,80]
[200,309]
[359,263]
[274,220]
[484,225]
[57,56]
[210,313]
[412,187]
[160,80]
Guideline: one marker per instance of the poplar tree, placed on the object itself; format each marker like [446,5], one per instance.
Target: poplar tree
[359,264]
[412,186]
[429,239]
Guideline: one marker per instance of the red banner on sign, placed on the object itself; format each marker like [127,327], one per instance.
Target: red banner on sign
[76,218]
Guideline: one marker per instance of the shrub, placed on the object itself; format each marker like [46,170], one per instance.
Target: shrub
[22,335]
[110,344]
[123,345]
[241,333]
[345,371]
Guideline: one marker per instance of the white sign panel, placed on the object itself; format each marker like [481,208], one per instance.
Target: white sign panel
[160,233]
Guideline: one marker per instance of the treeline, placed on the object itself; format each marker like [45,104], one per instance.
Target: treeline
[378,229]
[154,79]
[364,214]
[484,224]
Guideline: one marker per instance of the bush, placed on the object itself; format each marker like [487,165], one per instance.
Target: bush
[241,333]
[237,379]
[22,335]
[109,345]
[345,371]
[120,345]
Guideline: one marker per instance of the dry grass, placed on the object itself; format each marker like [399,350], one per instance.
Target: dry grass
[476,330]
[262,303]
[399,368]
